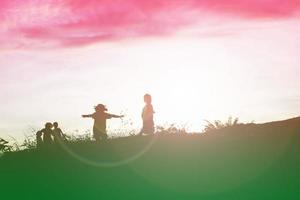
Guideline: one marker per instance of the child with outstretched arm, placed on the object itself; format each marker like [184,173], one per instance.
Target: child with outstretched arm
[100,116]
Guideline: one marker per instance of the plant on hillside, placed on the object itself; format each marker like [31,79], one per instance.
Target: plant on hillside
[4,146]
[78,138]
[217,124]
[29,142]
[14,144]
[170,129]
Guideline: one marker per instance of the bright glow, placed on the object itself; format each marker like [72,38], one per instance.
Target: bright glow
[209,62]
[191,79]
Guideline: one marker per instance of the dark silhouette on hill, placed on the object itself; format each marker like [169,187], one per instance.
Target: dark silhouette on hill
[100,117]
[57,133]
[39,140]
[47,134]
[147,116]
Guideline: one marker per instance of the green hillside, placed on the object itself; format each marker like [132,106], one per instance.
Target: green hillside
[240,162]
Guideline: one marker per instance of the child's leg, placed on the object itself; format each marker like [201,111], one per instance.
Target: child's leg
[96,134]
[104,136]
[97,137]
[148,127]
[141,131]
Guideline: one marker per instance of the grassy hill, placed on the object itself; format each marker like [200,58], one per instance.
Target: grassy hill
[254,161]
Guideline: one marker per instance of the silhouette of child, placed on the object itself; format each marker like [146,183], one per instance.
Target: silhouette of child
[57,133]
[39,140]
[147,116]
[47,133]
[100,117]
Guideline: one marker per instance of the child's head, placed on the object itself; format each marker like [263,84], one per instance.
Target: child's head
[39,134]
[100,108]
[48,125]
[147,98]
[55,124]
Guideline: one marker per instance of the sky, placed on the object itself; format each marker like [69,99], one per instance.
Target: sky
[200,60]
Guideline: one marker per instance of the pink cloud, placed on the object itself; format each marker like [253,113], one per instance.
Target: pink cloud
[47,23]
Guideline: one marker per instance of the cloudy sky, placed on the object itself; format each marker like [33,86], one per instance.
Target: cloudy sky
[199,59]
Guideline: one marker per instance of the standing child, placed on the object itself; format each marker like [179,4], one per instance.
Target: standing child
[39,140]
[47,133]
[100,117]
[147,116]
[57,133]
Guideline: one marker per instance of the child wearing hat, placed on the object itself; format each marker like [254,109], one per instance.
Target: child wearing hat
[100,116]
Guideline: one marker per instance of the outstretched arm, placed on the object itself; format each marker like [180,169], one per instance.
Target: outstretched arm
[115,116]
[61,132]
[84,116]
[64,136]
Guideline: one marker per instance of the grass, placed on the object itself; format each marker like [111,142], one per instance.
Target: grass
[244,161]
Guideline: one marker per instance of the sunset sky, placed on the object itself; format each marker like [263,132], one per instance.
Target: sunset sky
[199,59]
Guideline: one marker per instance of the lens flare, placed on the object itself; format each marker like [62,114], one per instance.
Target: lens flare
[94,163]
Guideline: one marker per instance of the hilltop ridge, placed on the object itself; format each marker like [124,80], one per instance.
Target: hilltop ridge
[246,161]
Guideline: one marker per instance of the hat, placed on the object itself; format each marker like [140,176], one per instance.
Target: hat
[101,107]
